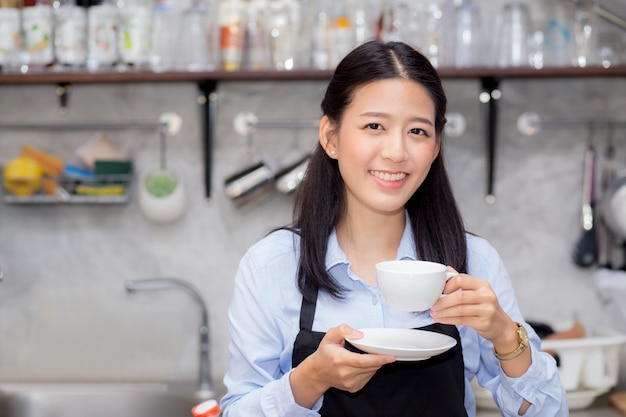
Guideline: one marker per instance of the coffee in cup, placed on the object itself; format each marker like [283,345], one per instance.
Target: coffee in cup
[411,285]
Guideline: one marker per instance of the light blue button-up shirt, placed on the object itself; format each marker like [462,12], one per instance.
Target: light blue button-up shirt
[264,321]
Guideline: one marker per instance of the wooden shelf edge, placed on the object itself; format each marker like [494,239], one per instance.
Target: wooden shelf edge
[136,76]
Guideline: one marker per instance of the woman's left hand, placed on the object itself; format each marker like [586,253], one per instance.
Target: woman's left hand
[471,302]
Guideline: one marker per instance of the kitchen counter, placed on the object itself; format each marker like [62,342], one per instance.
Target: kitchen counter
[600,408]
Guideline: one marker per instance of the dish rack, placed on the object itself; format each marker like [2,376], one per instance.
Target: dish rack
[588,367]
[589,362]
[97,189]
[101,189]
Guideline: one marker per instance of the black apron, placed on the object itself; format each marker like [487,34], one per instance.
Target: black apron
[429,388]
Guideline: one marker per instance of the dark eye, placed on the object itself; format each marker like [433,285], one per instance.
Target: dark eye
[374,126]
[418,131]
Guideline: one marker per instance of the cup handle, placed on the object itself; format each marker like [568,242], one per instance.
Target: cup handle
[450,274]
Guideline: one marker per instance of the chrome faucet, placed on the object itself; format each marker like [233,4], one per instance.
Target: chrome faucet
[164,283]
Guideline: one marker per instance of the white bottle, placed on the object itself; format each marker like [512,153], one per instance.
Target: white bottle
[70,34]
[37,24]
[135,32]
[9,34]
[102,22]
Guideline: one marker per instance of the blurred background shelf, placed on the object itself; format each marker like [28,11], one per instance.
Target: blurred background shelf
[135,76]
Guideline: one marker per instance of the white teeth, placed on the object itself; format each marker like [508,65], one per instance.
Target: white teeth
[385,176]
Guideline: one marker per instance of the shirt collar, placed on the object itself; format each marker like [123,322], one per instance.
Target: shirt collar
[406,250]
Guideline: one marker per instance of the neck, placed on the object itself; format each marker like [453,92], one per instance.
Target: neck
[369,239]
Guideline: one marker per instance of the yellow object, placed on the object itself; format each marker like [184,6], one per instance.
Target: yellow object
[100,189]
[50,164]
[22,176]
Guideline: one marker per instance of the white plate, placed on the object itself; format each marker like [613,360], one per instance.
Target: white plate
[404,344]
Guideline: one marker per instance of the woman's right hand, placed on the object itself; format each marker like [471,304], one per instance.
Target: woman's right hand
[333,366]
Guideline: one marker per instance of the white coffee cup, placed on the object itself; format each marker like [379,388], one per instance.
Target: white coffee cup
[411,285]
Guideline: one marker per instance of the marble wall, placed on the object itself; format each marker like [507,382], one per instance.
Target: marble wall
[64,312]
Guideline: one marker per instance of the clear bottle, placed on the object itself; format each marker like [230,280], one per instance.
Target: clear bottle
[193,45]
[558,38]
[341,32]
[319,27]
[37,40]
[102,35]
[283,35]
[256,42]
[9,34]
[163,35]
[469,41]
[70,33]
[135,32]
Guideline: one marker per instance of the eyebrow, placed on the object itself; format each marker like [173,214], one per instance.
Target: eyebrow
[386,115]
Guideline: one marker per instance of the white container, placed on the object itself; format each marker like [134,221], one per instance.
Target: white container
[70,35]
[134,39]
[9,36]
[588,363]
[588,368]
[37,37]
[162,208]
[102,21]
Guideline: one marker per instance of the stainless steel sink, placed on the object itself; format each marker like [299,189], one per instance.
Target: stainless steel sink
[97,400]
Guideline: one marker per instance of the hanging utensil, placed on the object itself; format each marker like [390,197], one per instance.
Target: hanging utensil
[607,243]
[586,250]
[290,177]
[614,210]
[255,179]
[162,194]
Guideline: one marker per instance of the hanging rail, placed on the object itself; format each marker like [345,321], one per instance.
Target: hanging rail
[531,123]
[246,122]
[85,126]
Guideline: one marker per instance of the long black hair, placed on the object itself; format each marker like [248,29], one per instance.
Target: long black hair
[320,200]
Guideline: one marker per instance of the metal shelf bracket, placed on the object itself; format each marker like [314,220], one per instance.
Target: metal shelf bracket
[208,106]
[489,96]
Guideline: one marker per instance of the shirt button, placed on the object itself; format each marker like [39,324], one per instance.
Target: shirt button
[374,300]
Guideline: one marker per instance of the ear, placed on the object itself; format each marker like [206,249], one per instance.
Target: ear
[437,147]
[327,136]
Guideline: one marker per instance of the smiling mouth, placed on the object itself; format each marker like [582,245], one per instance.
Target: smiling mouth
[386,176]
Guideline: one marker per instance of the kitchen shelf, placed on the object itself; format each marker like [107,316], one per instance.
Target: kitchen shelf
[207,81]
[53,76]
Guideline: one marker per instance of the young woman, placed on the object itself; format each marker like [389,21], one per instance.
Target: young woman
[376,189]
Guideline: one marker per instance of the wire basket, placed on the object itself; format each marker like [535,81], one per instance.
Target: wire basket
[99,189]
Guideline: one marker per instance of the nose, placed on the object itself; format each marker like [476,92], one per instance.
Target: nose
[393,147]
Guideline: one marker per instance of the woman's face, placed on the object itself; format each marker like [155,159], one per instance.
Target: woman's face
[385,145]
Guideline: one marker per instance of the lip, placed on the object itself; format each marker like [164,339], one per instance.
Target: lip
[389,184]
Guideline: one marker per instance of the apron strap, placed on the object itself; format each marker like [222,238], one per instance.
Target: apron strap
[309,302]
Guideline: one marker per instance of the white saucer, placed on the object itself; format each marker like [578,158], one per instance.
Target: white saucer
[404,344]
